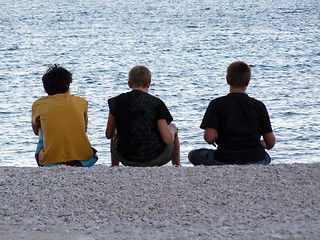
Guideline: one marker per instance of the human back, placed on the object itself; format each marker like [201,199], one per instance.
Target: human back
[235,122]
[241,120]
[139,126]
[63,125]
[136,113]
[60,120]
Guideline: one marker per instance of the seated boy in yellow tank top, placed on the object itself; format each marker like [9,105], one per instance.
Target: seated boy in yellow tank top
[60,120]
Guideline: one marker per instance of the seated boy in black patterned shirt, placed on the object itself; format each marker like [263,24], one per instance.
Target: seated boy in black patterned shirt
[139,126]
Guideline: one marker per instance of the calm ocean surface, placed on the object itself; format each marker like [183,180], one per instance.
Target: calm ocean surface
[186,44]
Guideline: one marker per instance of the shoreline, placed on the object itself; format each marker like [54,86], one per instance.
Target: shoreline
[278,201]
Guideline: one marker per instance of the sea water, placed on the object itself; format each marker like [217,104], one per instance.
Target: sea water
[186,44]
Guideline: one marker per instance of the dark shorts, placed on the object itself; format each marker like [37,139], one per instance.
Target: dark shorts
[206,157]
[163,158]
[75,163]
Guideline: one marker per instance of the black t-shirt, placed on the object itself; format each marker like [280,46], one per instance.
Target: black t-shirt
[240,121]
[136,114]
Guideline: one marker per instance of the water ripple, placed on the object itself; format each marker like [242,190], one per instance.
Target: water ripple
[186,44]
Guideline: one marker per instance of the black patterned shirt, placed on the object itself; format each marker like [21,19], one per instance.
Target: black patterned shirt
[136,114]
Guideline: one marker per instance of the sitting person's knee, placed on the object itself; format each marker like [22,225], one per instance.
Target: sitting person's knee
[190,156]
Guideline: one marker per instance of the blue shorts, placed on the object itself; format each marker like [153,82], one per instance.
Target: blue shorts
[75,163]
[206,157]
[162,159]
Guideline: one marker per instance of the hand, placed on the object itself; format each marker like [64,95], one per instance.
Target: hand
[172,128]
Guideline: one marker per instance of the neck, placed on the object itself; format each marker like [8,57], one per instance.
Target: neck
[143,89]
[237,89]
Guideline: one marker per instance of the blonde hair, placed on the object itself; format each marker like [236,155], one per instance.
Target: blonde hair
[139,76]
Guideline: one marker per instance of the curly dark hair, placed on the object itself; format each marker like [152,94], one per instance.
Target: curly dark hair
[56,80]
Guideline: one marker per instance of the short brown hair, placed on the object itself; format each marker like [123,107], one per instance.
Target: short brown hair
[139,76]
[238,74]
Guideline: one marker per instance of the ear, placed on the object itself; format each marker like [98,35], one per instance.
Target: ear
[148,85]
[129,84]
[227,80]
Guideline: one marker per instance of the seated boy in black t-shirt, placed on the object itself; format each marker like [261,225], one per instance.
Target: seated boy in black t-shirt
[235,123]
[139,126]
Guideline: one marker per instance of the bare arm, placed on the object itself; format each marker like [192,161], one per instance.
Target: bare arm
[111,132]
[269,140]
[86,121]
[35,128]
[167,132]
[210,135]
[111,127]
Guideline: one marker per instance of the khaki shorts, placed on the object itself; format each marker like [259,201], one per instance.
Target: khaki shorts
[163,158]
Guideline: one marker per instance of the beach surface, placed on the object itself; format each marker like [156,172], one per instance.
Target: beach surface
[227,202]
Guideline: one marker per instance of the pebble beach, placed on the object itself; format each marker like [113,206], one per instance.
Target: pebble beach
[278,201]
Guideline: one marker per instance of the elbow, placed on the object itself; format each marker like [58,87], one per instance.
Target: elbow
[210,135]
[35,129]
[270,145]
[110,133]
[109,136]
[269,141]
[209,139]
[167,140]
[36,132]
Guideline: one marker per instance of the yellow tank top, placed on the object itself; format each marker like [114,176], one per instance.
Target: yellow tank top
[62,119]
